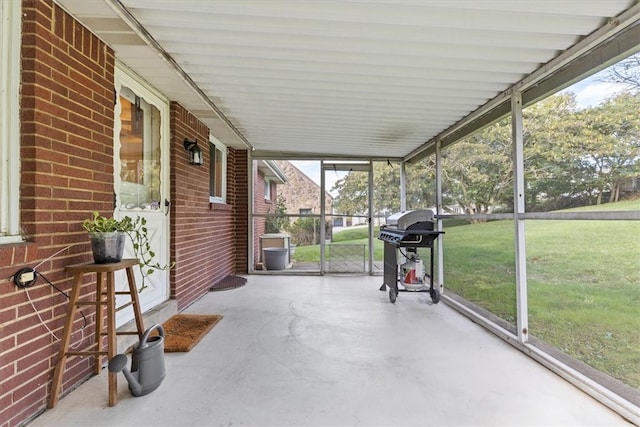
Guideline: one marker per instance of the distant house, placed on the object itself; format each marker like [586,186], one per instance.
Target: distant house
[301,193]
[629,185]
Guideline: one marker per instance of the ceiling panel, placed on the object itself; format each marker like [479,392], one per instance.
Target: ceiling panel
[339,78]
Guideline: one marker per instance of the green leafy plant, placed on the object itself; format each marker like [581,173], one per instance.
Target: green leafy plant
[278,220]
[137,231]
[101,224]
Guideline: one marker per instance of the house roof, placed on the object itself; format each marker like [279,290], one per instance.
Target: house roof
[272,171]
[292,171]
[361,78]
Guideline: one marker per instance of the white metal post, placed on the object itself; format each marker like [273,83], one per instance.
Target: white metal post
[322,218]
[252,229]
[403,186]
[370,185]
[519,209]
[440,270]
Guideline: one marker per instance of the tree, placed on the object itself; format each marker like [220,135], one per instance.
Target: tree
[553,170]
[611,143]
[477,171]
[626,72]
[572,158]
[277,220]
[352,191]
[420,183]
[352,196]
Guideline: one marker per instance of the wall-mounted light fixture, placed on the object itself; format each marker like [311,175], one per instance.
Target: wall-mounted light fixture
[195,153]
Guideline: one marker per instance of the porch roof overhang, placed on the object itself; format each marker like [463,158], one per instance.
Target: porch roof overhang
[374,79]
[271,171]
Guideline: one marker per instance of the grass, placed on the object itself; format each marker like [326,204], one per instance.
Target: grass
[583,282]
[356,236]
[349,235]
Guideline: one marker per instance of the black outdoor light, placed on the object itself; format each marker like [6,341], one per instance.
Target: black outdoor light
[195,153]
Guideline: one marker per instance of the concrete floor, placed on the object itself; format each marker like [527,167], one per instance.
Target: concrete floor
[333,351]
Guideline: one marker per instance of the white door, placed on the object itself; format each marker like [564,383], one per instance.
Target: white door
[142,181]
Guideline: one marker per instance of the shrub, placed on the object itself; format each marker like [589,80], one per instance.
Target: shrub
[306,231]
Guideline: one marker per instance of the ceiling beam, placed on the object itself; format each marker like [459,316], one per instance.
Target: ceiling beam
[139,29]
[620,37]
[295,155]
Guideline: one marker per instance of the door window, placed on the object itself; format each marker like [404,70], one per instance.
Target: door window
[139,152]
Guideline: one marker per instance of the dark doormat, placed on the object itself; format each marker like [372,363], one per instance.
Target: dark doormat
[229,282]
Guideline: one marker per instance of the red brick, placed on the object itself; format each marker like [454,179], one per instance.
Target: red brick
[53,156]
[36,386]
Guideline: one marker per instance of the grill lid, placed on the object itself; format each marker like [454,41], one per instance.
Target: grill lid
[402,220]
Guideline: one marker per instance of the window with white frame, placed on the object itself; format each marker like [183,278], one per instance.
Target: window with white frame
[217,171]
[10,25]
[267,189]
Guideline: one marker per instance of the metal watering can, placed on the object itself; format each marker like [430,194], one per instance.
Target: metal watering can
[147,363]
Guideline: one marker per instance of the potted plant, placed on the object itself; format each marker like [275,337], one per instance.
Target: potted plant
[108,237]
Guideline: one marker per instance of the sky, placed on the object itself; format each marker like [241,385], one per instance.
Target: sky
[592,91]
[311,168]
[589,93]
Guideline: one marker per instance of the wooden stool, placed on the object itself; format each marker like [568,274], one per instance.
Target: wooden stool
[105,296]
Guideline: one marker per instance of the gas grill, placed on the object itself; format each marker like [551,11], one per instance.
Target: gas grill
[403,234]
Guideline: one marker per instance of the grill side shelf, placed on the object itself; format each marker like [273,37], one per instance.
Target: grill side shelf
[408,237]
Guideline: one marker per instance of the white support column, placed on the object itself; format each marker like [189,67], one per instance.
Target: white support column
[370,192]
[440,270]
[403,186]
[251,238]
[322,218]
[519,208]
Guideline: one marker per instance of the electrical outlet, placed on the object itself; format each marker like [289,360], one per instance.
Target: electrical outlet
[27,276]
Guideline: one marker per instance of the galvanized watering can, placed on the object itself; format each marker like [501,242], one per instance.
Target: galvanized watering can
[147,363]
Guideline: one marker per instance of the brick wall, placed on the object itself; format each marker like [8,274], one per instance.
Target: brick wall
[67,171]
[67,121]
[238,196]
[205,235]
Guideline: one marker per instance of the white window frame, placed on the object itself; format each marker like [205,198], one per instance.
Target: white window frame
[267,189]
[222,198]
[10,29]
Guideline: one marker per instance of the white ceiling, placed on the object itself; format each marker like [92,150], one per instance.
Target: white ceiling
[338,78]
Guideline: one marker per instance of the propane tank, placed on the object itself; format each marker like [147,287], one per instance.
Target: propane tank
[413,271]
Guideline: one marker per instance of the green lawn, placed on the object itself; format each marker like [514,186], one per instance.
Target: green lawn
[355,236]
[583,282]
